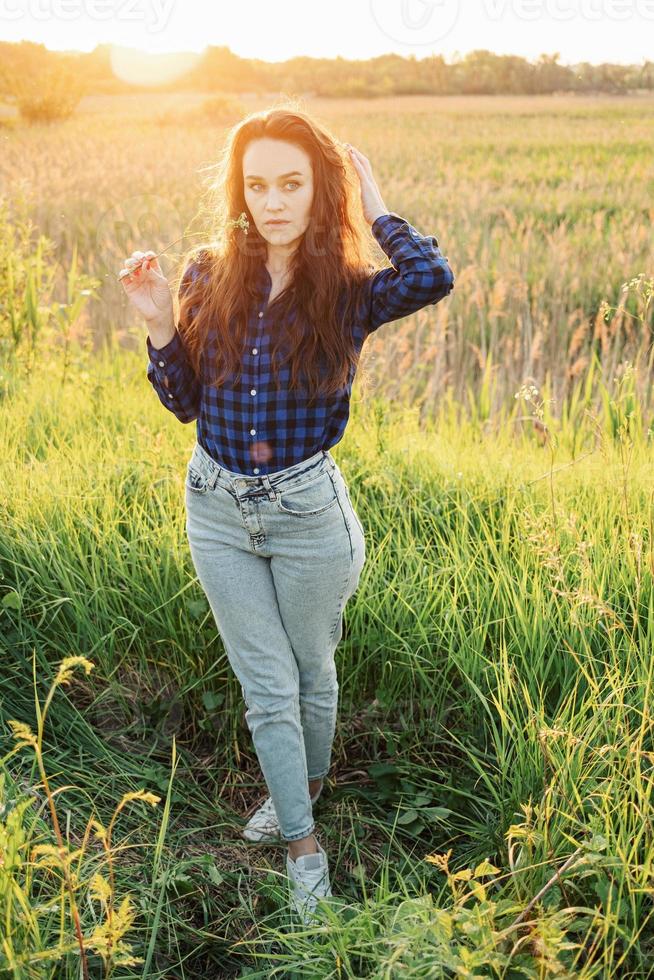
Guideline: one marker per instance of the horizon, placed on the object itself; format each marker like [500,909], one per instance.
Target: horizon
[456,56]
[590,31]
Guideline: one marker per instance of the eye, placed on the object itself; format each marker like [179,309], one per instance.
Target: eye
[257,184]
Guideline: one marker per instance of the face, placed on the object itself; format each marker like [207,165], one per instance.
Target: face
[278,183]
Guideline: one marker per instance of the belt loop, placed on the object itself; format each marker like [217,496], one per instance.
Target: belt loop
[269,487]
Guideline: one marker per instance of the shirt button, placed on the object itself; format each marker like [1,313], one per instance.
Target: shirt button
[261,314]
[256,469]
[253,432]
[161,363]
[254,350]
[169,395]
[253,391]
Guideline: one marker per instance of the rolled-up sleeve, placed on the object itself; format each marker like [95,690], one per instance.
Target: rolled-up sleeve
[171,373]
[419,276]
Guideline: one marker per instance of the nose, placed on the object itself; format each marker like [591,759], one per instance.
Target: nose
[272,205]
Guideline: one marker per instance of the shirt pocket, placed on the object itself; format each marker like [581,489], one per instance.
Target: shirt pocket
[309,499]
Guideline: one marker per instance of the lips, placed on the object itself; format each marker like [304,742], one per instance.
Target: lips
[276,222]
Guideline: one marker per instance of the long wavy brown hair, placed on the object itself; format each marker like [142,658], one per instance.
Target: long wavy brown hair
[334,257]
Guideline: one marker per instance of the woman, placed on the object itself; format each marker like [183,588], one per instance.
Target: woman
[271,327]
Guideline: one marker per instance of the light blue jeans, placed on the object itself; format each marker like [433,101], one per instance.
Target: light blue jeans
[278,556]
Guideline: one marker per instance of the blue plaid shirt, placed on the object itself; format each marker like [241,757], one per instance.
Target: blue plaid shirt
[252,428]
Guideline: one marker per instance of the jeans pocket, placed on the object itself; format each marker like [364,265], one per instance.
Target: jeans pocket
[345,492]
[196,480]
[309,499]
[354,513]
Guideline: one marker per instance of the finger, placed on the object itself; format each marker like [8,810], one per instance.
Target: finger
[131,273]
[362,159]
[360,163]
[141,268]
[152,263]
[135,260]
[365,164]
[359,170]
[144,261]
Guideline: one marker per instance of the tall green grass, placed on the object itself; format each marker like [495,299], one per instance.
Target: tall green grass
[489,806]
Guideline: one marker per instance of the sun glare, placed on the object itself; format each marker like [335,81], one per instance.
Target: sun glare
[151,68]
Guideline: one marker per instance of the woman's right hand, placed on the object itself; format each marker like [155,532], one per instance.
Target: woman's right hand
[146,286]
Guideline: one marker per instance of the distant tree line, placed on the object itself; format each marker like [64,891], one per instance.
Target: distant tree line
[27,68]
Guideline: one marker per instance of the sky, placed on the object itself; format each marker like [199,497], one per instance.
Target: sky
[274,30]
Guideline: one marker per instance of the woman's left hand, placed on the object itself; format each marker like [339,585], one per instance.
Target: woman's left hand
[371,199]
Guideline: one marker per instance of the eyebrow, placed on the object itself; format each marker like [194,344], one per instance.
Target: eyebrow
[291,173]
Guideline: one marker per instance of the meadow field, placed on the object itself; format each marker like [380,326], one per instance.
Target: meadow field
[489,810]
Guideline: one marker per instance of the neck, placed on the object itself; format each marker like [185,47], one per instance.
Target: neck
[278,261]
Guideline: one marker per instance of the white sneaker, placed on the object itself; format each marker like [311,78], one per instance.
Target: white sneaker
[308,877]
[264,825]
